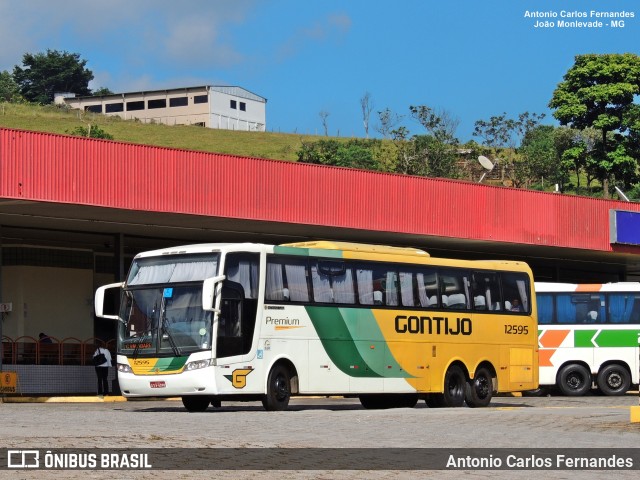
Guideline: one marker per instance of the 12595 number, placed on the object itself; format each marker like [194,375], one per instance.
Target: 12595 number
[516,329]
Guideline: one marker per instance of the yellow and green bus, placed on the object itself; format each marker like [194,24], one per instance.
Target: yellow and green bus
[239,321]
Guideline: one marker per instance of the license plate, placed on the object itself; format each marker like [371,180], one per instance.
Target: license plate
[157,384]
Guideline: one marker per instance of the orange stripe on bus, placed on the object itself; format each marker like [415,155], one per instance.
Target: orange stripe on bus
[553,338]
[544,357]
[589,287]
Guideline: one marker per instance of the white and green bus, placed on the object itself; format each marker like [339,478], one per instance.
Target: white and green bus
[389,325]
[588,334]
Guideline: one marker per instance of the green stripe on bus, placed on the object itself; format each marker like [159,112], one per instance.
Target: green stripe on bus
[170,364]
[306,252]
[338,343]
[606,338]
[617,338]
[373,349]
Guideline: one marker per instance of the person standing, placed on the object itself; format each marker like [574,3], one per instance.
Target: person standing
[102,362]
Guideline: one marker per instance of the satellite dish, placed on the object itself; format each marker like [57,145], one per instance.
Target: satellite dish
[485,162]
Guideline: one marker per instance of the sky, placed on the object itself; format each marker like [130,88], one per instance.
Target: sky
[473,59]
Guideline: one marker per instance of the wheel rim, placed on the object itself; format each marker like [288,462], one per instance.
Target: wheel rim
[481,386]
[575,381]
[281,389]
[614,380]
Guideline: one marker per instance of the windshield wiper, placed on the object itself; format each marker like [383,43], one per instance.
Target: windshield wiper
[165,329]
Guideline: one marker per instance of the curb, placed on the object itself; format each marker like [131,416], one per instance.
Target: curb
[77,399]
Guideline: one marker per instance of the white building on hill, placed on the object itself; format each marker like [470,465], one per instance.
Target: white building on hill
[225,107]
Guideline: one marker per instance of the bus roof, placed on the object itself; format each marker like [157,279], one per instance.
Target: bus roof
[357,247]
[203,248]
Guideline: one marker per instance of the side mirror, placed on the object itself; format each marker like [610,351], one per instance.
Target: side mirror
[98,302]
[209,292]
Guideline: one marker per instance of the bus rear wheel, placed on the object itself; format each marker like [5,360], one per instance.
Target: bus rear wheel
[194,403]
[479,390]
[574,380]
[614,380]
[455,383]
[278,389]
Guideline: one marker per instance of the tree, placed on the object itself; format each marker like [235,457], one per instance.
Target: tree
[8,88]
[354,153]
[388,122]
[91,132]
[508,133]
[366,105]
[539,152]
[441,125]
[598,91]
[439,159]
[102,91]
[44,74]
[501,131]
[323,117]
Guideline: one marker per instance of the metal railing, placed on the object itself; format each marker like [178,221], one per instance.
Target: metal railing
[27,350]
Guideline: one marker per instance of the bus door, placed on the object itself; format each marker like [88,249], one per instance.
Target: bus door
[238,305]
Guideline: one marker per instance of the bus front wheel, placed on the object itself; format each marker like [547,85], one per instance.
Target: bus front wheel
[614,380]
[574,380]
[196,403]
[278,389]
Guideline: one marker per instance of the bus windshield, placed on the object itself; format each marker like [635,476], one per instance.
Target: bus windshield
[161,307]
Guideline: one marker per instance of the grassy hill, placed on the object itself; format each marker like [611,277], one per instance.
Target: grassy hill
[278,146]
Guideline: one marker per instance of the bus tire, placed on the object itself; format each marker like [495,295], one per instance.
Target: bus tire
[574,380]
[479,390]
[614,380]
[538,392]
[373,402]
[196,403]
[278,389]
[455,383]
[407,400]
[434,400]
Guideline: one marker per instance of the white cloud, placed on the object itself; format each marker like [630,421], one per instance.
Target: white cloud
[332,28]
[126,38]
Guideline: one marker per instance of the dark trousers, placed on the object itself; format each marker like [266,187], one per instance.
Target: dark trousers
[103,383]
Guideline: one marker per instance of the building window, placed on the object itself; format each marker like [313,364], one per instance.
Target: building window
[93,108]
[233,104]
[178,102]
[243,106]
[158,103]
[132,106]
[201,99]
[114,107]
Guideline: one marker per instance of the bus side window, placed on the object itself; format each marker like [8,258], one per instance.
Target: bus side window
[332,282]
[565,309]
[515,292]
[427,288]
[622,307]
[486,290]
[286,281]
[545,308]
[454,289]
[242,268]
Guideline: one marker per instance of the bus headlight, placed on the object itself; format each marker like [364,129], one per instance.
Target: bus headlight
[199,364]
[124,368]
